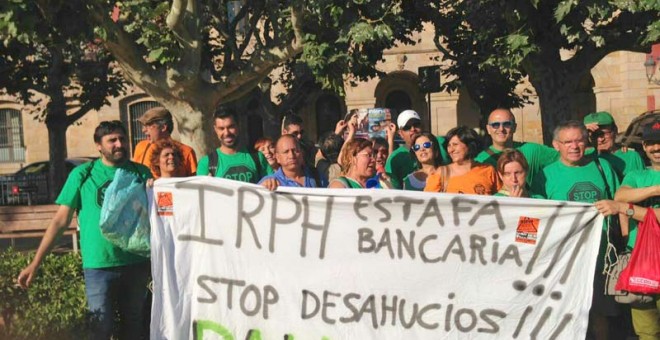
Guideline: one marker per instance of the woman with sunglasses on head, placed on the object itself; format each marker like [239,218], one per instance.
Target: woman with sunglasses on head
[464,175]
[512,167]
[426,151]
[358,164]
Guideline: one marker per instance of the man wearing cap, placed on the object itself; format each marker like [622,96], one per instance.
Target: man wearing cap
[501,127]
[641,189]
[602,134]
[157,124]
[400,163]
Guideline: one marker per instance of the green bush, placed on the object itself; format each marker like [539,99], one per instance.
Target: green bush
[54,307]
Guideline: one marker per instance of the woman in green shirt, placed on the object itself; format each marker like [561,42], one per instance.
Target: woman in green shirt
[512,167]
[358,164]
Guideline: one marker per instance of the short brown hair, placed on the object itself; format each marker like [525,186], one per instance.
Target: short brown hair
[158,148]
[350,150]
[510,156]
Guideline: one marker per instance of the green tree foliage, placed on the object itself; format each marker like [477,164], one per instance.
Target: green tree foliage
[51,62]
[555,43]
[53,308]
[466,49]
[192,56]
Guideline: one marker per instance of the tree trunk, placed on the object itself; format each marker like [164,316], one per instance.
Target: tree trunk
[194,124]
[56,122]
[57,125]
[556,88]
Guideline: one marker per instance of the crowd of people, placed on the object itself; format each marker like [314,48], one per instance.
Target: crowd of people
[584,164]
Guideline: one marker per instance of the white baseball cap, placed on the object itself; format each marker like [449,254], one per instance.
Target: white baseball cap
[405,116]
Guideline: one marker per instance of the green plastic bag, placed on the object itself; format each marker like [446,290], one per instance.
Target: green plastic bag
[125,216]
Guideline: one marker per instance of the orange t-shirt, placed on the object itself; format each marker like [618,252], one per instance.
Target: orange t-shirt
[482,179]
[144,151]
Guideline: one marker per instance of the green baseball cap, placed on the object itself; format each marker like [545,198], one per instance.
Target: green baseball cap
[600,118]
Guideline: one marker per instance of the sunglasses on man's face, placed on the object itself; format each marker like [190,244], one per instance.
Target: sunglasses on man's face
[410,126]
[426,145]
[505,124]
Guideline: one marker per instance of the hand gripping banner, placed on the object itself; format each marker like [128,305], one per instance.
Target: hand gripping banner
[235,261]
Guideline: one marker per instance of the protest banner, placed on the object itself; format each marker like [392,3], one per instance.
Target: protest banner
[234,261]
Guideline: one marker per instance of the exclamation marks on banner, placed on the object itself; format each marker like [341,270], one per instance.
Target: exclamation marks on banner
[535,326]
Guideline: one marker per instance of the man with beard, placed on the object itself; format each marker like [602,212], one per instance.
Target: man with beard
[501,127]
[401,163]
[115,280]
[639,190]
[157,125]
[230,160]
[602,133]
[292,171]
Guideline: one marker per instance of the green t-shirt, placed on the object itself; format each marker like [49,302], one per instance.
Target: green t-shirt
[584,183]
[622,162]
[84,190]
[239,166]
[349,183]
[401,163]
[538,156]
[641,179]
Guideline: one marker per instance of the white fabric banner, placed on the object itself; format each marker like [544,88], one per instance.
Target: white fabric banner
[235,261]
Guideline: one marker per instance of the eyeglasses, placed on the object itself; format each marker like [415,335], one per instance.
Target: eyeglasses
[571,142]
[507,124]
[366,154]
[426,145]
[407,127]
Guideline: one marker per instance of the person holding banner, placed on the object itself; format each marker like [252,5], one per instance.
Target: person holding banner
[292,171]
[426,151]
[464,175]
[115,279]
[358,164]
[641,189]
[166,159]
[577,178]
[512,168]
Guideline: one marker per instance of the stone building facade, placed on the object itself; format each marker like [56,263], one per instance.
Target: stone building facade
[618,84]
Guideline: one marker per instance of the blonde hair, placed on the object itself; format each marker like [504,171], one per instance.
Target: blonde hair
[349,151]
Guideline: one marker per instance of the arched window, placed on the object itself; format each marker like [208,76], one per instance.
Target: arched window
[12,148]
[328,113]
[397,101]
[135,111]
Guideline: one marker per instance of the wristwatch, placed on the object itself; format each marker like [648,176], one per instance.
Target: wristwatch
[630,211]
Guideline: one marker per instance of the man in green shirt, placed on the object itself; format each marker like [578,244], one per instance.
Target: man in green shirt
[602,134]
[230,160]
[501,127]
[641,189]
[577,178]
[115,280]
[401,162]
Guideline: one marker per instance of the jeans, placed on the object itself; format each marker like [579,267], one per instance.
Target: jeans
[117,291]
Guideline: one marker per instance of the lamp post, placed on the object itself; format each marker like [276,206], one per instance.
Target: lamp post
[651,65]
